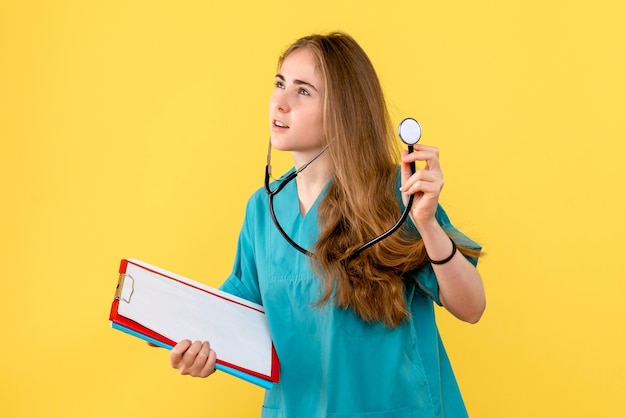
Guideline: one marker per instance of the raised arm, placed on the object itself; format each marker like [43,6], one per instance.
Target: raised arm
[461,289]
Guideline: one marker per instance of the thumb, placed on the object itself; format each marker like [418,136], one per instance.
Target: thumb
[406,171]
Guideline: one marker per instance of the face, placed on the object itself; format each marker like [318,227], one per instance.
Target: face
[296,105]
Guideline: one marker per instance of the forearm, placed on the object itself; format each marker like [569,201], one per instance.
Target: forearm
[460,286]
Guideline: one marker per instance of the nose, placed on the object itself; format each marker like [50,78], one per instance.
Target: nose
[279,102]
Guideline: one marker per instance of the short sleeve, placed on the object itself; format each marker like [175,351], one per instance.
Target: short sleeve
[425,277]
[456,235]
[243,281]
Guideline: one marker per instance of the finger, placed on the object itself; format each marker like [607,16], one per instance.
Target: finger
[189,358]
[427,175]
[200,360]
[209,366]
[425,188]
[423,153]
[431,186]
[430,157]
[420,178]
[405,168]
[424,177]
[176,355]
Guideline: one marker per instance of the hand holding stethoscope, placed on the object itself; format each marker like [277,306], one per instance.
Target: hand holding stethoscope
[425,184]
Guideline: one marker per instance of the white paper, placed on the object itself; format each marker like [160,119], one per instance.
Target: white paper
[236,328]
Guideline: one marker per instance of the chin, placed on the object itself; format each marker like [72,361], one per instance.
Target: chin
[279,145]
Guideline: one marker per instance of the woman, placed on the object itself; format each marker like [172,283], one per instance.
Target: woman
[355,332]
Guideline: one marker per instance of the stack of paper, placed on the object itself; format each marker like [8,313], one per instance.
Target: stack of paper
[163,308]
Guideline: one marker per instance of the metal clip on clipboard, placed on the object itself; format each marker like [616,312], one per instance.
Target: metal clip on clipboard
[122,292]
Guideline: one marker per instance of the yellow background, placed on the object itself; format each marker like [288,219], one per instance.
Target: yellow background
[139,129]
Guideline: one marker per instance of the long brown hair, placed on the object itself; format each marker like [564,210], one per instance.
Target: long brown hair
[361,201]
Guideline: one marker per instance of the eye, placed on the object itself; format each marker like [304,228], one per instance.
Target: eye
[279,84]
[304,92]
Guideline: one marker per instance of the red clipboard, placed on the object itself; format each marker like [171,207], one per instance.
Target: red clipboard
[162,307]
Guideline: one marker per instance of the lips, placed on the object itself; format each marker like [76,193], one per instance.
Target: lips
[279,124]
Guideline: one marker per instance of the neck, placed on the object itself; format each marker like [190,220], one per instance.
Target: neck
[312,180]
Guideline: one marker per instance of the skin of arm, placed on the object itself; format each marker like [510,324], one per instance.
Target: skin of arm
[461,289]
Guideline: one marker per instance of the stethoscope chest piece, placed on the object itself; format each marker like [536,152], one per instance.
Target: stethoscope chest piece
[410,131]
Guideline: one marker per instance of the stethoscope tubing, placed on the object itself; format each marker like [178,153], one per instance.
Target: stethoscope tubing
[271,193]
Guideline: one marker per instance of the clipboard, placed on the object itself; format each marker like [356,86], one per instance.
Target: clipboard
[162,308]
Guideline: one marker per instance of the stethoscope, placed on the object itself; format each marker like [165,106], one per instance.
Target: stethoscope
[410,133]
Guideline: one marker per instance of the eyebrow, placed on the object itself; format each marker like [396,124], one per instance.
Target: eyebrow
[298,82]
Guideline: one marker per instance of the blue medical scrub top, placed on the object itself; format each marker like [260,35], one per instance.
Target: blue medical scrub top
[333,364]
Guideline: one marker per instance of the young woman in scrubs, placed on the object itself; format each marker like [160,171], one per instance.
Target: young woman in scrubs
[355,334]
